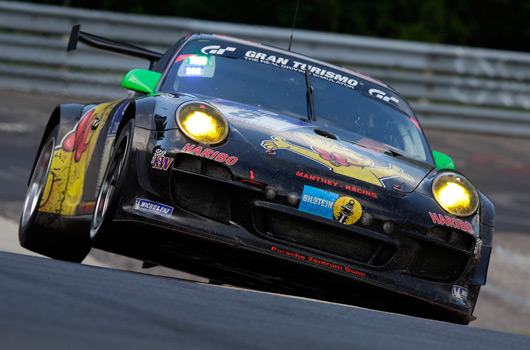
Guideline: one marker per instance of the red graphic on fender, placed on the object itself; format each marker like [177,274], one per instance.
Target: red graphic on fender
[78,140]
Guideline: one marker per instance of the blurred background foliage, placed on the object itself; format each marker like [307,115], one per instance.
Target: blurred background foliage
[499,24]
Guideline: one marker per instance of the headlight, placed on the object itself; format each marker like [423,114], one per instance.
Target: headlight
[202,123]
[455,194]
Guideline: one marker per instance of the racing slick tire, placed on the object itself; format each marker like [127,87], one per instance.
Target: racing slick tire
[112,186]
[56,244]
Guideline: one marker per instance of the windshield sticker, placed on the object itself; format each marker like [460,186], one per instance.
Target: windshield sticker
[338,158]
[287,63]
[216,50]
[255,116]
[382,96]
[272,57]
[345,210]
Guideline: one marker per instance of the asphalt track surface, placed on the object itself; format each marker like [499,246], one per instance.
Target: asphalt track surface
[49,304]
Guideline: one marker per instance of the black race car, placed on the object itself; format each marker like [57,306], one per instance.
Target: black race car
[259,167]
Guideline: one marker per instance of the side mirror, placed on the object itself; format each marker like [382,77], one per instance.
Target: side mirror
[141,80]
[443,161]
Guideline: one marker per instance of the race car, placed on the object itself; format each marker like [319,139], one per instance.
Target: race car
[259,167]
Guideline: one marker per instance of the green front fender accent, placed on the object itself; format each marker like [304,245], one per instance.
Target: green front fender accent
[141,80]
[443,161]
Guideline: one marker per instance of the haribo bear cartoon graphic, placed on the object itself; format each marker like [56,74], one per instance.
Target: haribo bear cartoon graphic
[338,158]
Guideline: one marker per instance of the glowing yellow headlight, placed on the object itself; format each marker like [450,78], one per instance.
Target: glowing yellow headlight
[455,194]
[202,123]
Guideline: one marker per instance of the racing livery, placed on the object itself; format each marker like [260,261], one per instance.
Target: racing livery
[263,168]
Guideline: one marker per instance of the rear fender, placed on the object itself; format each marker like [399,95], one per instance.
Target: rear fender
[74,148]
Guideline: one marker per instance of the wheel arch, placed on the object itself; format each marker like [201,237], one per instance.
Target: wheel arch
[63,114]
[128,114]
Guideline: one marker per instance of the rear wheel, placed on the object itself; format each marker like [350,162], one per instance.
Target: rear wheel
[112,185]
[35,237]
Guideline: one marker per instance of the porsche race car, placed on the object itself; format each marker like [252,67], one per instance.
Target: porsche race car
[263,168]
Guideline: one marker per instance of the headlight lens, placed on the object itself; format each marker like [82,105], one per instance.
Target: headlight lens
[202,123]
[455,194]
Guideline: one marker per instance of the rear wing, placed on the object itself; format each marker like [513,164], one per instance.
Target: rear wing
[110,45]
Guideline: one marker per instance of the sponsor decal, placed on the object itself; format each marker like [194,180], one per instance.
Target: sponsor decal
[345,210]
[382,96]
[160,161]
[338,158]
[446,220]
[318,202]
[209,153]
[216,50]
[478,248]
[288,63]
[153,207]
[459,293]
[336,184]
[317,261]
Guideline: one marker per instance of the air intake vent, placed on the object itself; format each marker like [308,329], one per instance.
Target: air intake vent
[341,242]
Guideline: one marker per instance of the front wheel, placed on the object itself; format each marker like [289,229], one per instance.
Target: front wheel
[112,184]
[39,238]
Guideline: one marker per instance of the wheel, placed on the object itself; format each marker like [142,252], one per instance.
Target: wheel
[35,237]
[112,185]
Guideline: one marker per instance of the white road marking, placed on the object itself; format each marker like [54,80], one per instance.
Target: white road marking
[13,173]
[518,202]
[506,296]
[9,237]
[511,257]
[15,127]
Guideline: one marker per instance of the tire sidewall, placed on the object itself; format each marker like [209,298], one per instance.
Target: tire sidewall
[27,222]
[122,148]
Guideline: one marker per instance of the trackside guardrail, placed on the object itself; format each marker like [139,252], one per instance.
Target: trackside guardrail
[449,87]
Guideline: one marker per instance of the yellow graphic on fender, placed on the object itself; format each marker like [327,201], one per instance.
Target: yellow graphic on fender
[338,158]
[64,186]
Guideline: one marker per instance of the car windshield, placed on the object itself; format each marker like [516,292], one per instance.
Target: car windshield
[276,81]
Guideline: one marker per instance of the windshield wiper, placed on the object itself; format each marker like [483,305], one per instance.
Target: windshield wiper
[386,149]
[310,97]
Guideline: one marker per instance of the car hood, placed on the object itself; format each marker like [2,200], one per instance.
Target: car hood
[340,155]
